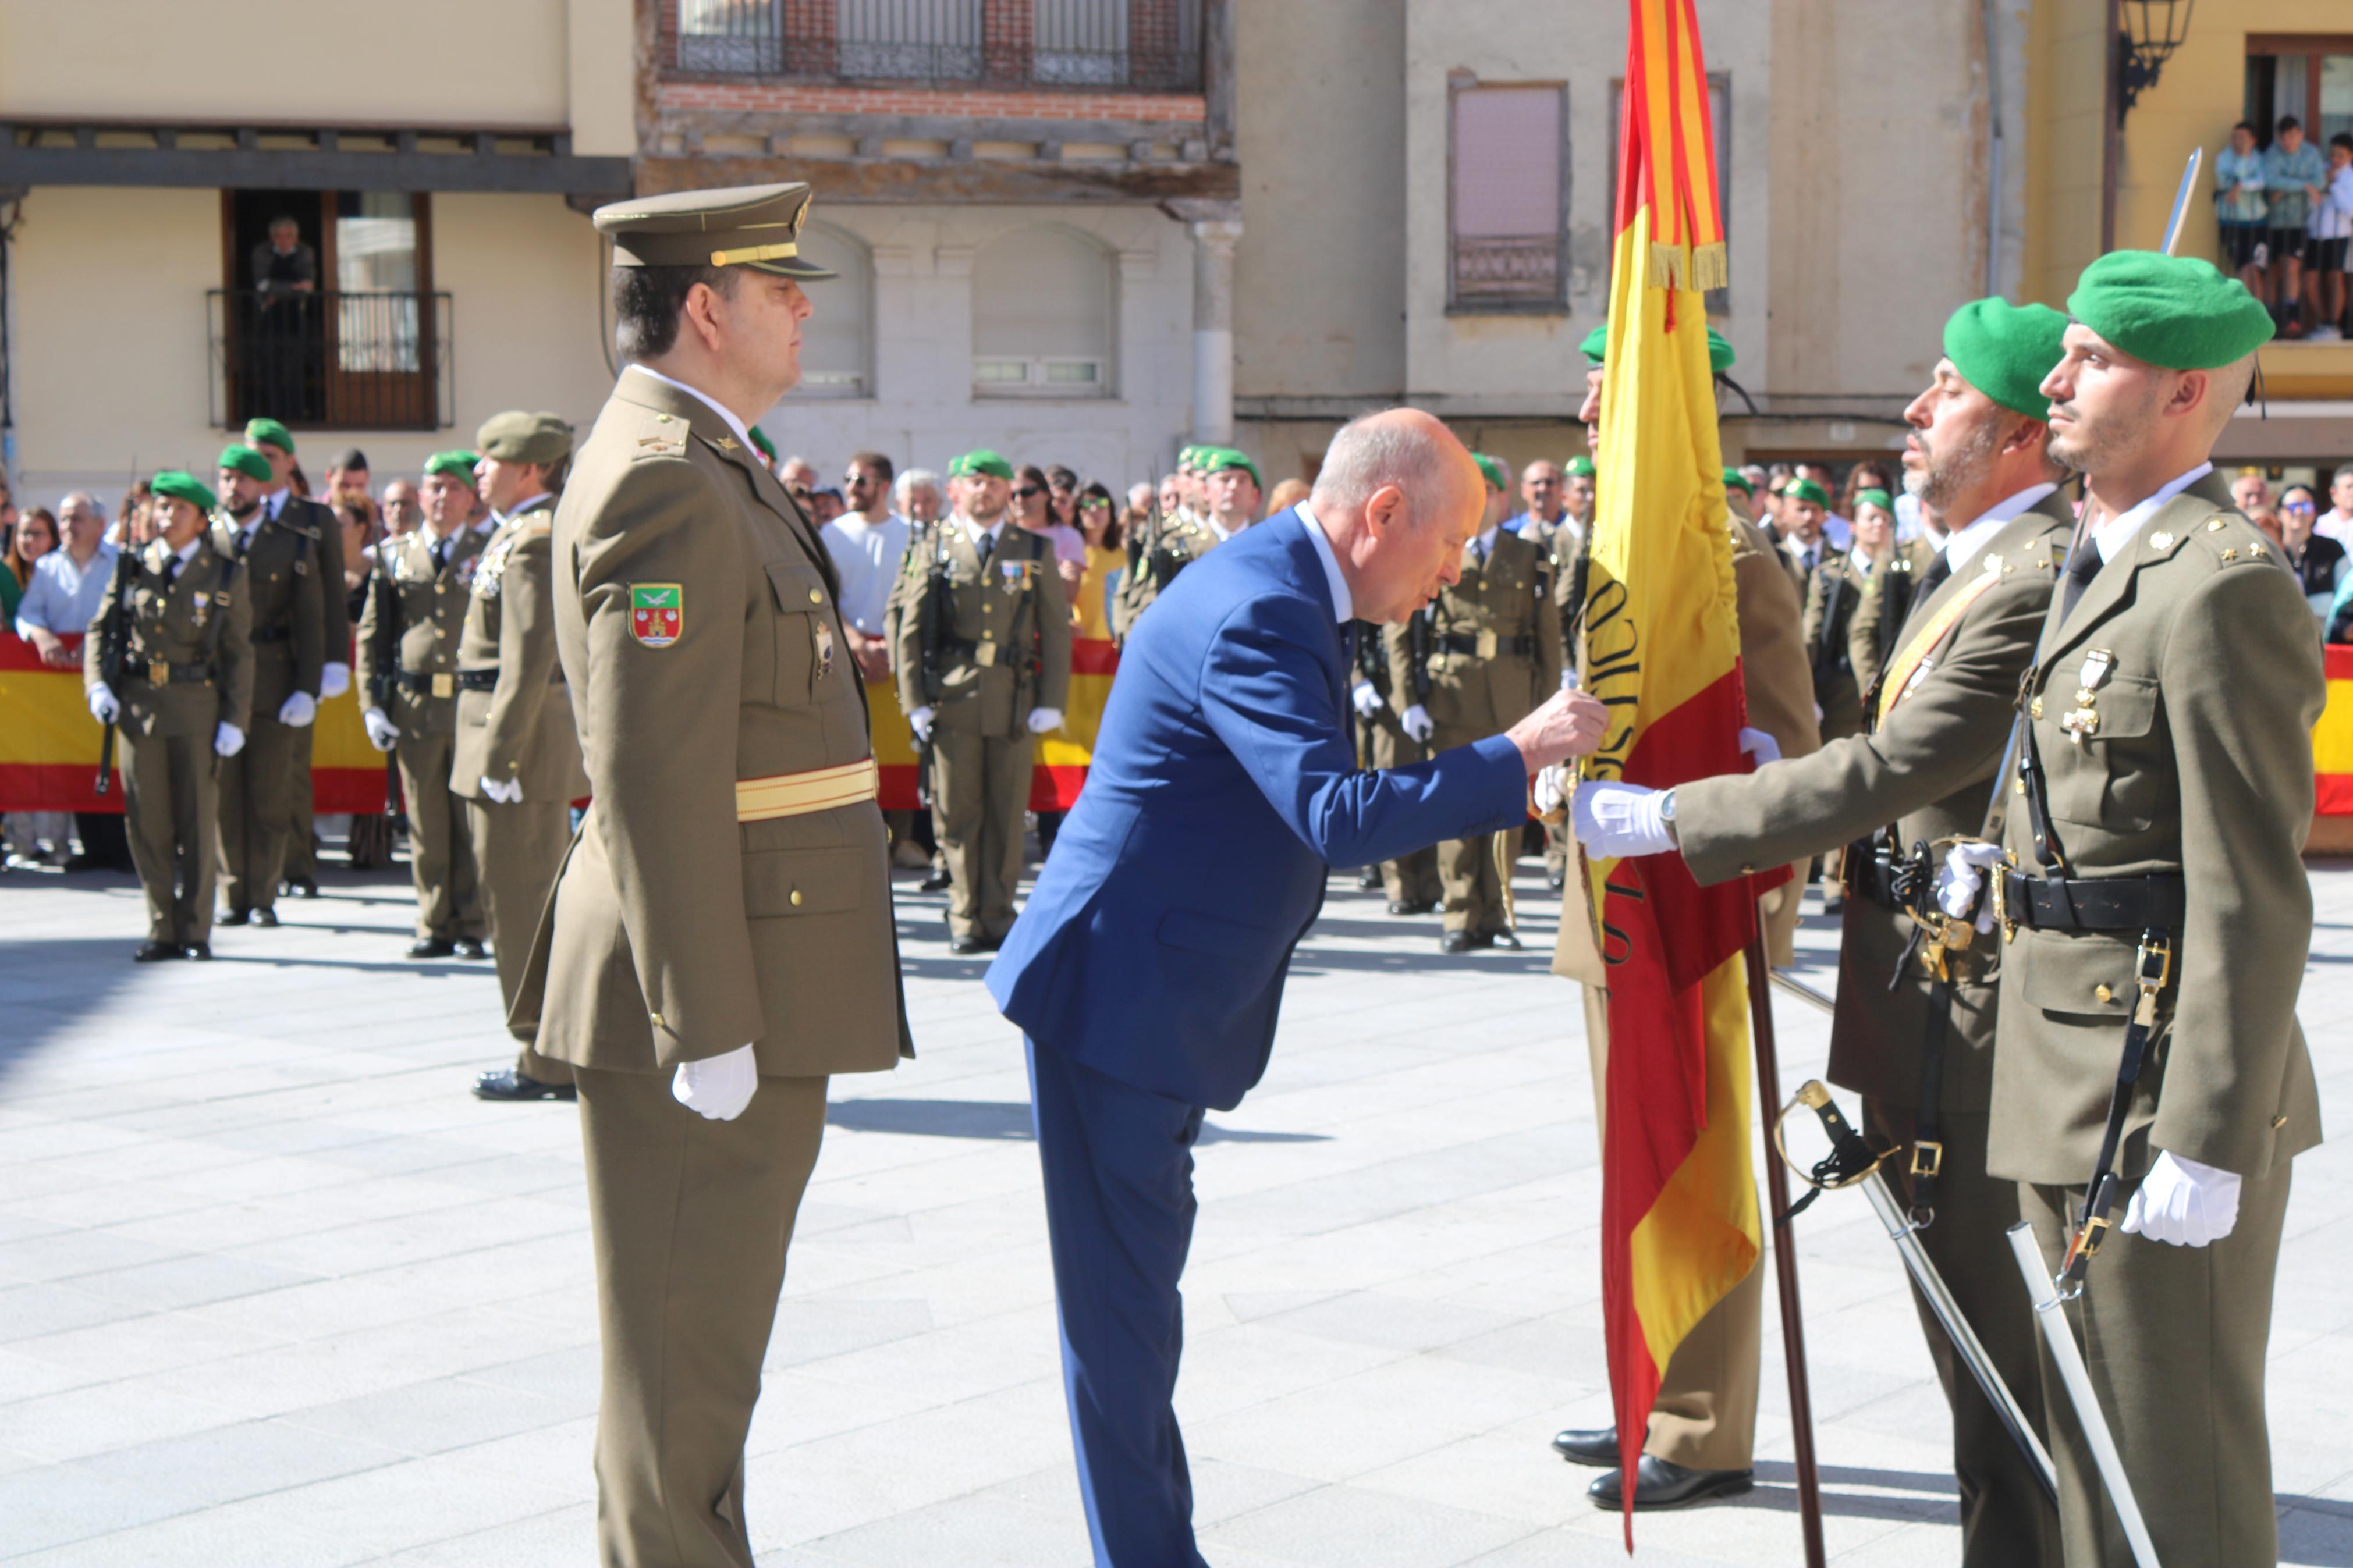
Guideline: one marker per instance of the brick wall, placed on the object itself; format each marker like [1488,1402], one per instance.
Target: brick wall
[785,98]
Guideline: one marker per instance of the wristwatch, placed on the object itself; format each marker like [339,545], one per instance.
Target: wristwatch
[1667,817]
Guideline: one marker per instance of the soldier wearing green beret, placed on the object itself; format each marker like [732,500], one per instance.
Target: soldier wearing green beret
[514,756]
[1914,1028]
[1474,661]
[1175,543]
[284,581]
[983,662]
[2153,874]
[408,636]
[272,439]
[169,658]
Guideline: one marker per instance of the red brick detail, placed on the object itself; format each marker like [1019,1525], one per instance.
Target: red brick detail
[1178,109]
[809,36]
[1007,38]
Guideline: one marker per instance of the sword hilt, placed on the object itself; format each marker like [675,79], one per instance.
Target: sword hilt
[1850,1158]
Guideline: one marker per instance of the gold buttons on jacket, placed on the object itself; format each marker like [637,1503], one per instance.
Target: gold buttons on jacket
[2103,993]
[816,597]
[2036,707]
[797,898]
[2213,525]
[657,1018]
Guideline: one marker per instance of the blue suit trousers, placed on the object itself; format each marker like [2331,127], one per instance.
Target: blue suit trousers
[1118,1167]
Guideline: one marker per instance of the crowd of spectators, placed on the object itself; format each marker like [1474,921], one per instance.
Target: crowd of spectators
[2285,210]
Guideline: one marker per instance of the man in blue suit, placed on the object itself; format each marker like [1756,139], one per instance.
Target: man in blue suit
[1148,967]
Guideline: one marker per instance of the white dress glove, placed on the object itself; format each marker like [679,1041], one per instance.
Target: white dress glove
[102,705]
[1367,700]
[1963,875]
[1618,821]
[1417,724]
[1044,718]
[1551,790]
[298,710]
[227,739]
[920,722]
[1759,747]
[2183,1203]
[335,679]
[717,1087]
[383,734]
[507,793]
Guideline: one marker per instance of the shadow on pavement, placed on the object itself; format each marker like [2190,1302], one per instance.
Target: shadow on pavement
[46,986]
[1007,1120]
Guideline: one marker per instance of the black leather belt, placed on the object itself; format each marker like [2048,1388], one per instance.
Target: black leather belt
[272,634]
[478,680]
[1869,877]
[1468,642]
[157,672]
[432,683]
[2133,904]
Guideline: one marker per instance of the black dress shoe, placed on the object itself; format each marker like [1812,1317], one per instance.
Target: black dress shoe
[1464,942]
[509,1084]
[1501,938]
[202,952]
[155,952]
[934,883]
[236,918]
[265,917]
[1401,907]
[430,947]
[1368,879]
[970,945]
[1594,1446]
[1555,881]
[304,886]
[1662,1484]
[469,947]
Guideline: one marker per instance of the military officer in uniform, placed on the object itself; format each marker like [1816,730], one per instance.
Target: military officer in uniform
[516,759]
[1490,644]
[279,567]
[1884,605]
[1703,1427]
[272,439]
[1914,1032]
[982,663]
[169,658]
[1158,553]
[721,938]
[409,638]
[1412,880]
[2152,872]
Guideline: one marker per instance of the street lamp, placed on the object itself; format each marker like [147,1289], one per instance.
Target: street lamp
[2152,30]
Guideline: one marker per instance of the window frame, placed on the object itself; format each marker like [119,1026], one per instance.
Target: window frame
[1034,384]
[1457,303]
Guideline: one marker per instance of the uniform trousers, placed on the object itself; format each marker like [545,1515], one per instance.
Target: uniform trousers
[2006,1520]
[168,814]
[691,1220]
[980,787]
[2175,1339]
[440,843]
[1705,1418]
[301,825]
[1411,878]
[1117,1161]
[257,810]
[519,848]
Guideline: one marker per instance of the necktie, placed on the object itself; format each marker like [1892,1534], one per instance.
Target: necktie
[440,554]
[171,571]
[985,546]
[1934,577]
[2081,567]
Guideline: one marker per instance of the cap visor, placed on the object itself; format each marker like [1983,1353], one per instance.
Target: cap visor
[792,267]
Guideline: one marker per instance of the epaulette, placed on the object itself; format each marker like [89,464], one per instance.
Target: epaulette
[2232,540]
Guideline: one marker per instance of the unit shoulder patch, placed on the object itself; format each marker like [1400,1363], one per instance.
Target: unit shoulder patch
[657,612]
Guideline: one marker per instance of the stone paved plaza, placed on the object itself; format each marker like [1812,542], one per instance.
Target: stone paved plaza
[275,1290]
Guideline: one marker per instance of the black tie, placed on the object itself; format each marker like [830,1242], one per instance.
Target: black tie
[2081,567]
[440,554]
[984,547]
[171,571]
[1934,577]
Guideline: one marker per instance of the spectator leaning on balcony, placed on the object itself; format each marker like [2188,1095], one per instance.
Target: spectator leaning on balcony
[2240,207]
[2332,227]
[2295,181]
[60,602]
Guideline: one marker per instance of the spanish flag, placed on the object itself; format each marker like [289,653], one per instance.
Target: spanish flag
[2332,737]
[1063,755]
[1663,650]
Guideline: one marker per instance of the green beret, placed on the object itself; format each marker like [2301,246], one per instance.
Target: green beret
[260,431]
[183,486]
[760,439]
[1190,456]
[2005,351]
[245,461]
[2173,311]
[1806,489]
[1577,468]
[1875,497]
[1596,348]
[516,436]
[459,466]
[980,460]
[1493,469]
[1218,459]
[1733,480]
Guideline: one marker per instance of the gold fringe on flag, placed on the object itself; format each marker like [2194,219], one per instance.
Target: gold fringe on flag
[1674,266]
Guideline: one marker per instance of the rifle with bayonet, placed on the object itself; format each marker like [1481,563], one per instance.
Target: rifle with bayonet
[935,610]
[386,680]
[111,654]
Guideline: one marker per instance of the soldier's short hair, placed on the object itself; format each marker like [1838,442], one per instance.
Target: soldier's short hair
[647,301]
[876,461]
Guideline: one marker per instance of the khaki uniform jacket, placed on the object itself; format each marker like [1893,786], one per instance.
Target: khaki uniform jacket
[1773,670]
[521,728]
[282,588]
[412,624]
[1881,611]
[1004,644]
[193,619]
[1183,539]
[1831,599]
[334,612]
[2201,767]
[676,931]
[1509,605]
[1927,771]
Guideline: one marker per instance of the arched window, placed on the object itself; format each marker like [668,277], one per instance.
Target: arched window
[1044,310]
[838,340]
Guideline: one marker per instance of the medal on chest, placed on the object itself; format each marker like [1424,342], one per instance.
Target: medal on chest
[2085,722]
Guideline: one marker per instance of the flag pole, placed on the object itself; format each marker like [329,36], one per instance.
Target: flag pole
[1784,1259]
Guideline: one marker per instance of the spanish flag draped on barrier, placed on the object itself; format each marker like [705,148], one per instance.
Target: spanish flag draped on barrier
[1663,650]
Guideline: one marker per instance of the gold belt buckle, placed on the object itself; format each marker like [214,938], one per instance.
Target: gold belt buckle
[1486,646]
[1927,1158]
[444,684]
[986,655]
[159,672]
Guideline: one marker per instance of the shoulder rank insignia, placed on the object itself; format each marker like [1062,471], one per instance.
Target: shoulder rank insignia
[657,612]
[728,444]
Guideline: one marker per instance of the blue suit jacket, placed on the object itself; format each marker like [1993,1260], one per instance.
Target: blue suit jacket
[1222,790]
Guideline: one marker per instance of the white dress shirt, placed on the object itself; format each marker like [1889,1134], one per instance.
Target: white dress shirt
[2117,532]
[742,433]
[1962,544]
[1344,603]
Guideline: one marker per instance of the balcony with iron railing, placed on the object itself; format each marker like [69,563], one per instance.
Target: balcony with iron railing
[1141,45]
[332,360]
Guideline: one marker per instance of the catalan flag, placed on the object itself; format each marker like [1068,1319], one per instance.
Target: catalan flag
[1663,650]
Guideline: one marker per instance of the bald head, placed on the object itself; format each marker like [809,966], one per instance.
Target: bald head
[1397,498]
